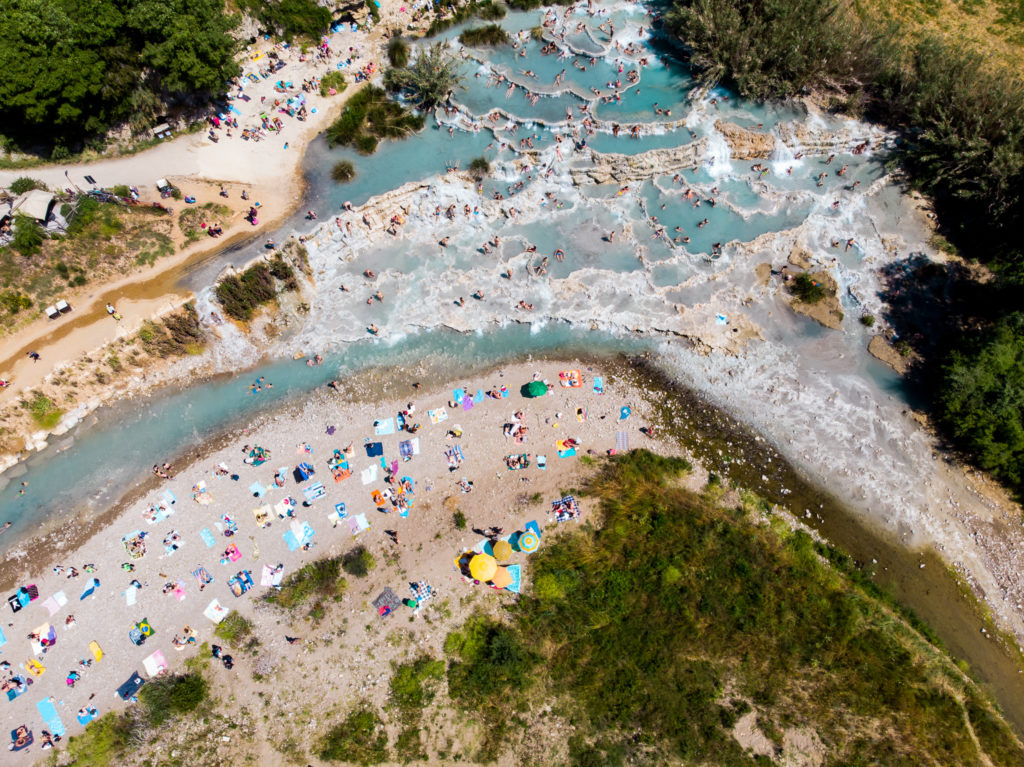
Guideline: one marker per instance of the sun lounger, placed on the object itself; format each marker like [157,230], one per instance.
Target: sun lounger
[208,537]
[215,611]
[386,426]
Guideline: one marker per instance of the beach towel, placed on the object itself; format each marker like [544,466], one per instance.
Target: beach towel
[516,572]
[54,603]
[257,489]
[374,449]
[129,688]
[215,611]
[234,554]
[467,403]
[91,585]
[285,508]
[337,514]
[208,537]
[50,717]
[130,595]
[202,575]
[436,416]
[533,527]
[169,497]
[303,531]
[155,664]
[407,448]
[598,385]
[567,453]
[621,442]
[542,462]
[458,395]
[87,715]
[478,397]
[157,513]
[314,491]
[624,412]
[387,426]
[179,591]
[271,578]
[3,639]
[357,524]
[369,475]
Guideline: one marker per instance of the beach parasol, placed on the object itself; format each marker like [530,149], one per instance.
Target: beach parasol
[482,567]
[528,542]
[501,578]
[534,389]
[502,550]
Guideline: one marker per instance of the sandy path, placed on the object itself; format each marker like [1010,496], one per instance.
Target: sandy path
[496,499]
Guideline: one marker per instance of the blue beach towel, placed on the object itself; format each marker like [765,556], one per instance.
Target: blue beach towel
[624,412]
[598,385]
[567,453]
[207,537]
[532,527]
[49,714]
[478,397]
[387,426]
[257,489]
[458,395]
[88,716]
[516,572]
[291,541]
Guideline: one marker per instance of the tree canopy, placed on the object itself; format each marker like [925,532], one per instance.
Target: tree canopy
[74,68]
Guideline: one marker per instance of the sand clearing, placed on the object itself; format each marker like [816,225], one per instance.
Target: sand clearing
[183,521]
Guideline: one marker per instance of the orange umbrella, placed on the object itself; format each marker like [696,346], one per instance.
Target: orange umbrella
[501,578]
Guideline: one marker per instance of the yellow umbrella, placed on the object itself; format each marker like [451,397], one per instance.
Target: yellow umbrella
[482,567]
[501,579]
[502,550]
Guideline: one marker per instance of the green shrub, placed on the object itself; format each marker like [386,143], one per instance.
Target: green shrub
[103,743]
[178,333]
[172,695]
[358,562]
[121,190]
[489,35]
[234,629]
[867,320]
[333,79]
[360,738]
[374,10]
[369,116]
[320,579]
[479,167]
[24,184]
[241,294]
[290,18]
[460,520]
[343,172]
[434,74]
[413,685]
[28,237]
[13,301]
[398,52]
[806,289]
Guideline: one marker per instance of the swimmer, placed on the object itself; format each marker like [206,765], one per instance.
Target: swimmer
[373,329]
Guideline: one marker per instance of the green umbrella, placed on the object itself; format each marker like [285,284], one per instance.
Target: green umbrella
[535,389]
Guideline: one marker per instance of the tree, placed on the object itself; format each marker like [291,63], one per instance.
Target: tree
[430,78]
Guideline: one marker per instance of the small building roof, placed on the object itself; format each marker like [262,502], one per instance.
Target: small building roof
[35,203]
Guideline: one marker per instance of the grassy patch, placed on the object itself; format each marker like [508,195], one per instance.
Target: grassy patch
[103,743]
[485,10]
[360,738]
[44,412]
[370,116]
[398,52]
[413,685]
[192,218]
[333,79]
[641,625]
[168,696]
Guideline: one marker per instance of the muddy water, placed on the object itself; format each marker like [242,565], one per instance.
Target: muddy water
[918,580]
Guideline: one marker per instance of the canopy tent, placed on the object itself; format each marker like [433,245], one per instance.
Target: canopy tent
[534,389]
[482,567]
[35,203]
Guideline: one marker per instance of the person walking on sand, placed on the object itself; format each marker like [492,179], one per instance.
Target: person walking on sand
[292,640]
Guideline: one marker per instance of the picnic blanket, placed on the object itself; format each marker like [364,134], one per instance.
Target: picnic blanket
[409,447]
[49,714]
[208,537]
[374,449]
[215,611]
[565,509]
[382,427]
[299,535]
[54,603]
[155,664]
[262,515]
[386,602]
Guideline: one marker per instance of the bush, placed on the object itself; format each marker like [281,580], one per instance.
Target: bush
[806,289]
[320,579]
[121,190]
[44,412]
[429,79]
[179,333]
[343,171]
[24,184]
[412,684]
[358,562]
[398,52]
[290,18]
[234,629]
[360,738]
[370,115]
[867,320]
[479,167]
[172,695]
[103,743]
[14,301]
[488,35]
[28,237]
[333,79]
[241,294]
[460,520]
